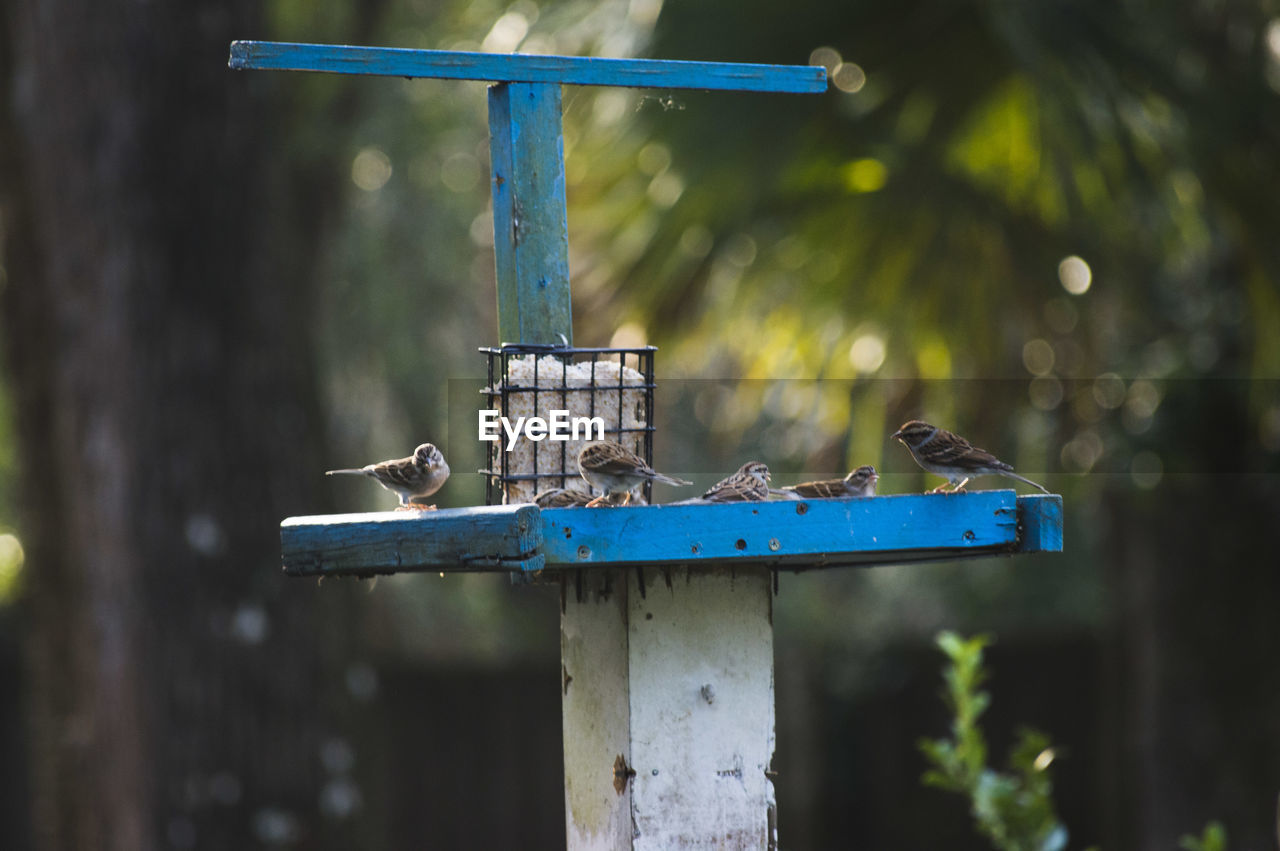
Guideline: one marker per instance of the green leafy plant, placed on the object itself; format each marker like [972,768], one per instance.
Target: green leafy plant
[1013,808]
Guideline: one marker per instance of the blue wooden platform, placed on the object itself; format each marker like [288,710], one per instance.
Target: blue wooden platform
[792,535]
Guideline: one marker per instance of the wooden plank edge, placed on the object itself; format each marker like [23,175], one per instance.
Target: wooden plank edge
[1040,523]
[376,543]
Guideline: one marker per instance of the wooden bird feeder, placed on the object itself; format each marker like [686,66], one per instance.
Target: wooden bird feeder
[668,704]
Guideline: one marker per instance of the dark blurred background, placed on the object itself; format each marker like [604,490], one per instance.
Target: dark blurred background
[1051,226]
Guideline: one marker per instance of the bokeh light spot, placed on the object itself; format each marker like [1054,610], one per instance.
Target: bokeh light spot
[827,57]
[867,353]
[460,172]
[507,33]
[1146,469]
[654,158]
[1075,275]
[481,229]
[371,169]
[609,106]
[1143,398]
[1046,392]
[1038,357]
[865,175]
[11,557]
[1109,391]
[1082,451]
[665,189]
[849,77]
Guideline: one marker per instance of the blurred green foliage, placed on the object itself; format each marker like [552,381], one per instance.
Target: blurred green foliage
[1214,838]
[1048,227]
[1014,809]
[994,190]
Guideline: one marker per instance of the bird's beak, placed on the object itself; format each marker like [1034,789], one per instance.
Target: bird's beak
[897,435]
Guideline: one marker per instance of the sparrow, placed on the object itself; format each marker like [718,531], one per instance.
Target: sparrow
[951,456]
[749,484]
[413,478]
[859,482]
[615,471]
[561,498]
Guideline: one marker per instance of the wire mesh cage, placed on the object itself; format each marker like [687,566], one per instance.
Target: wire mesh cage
[581,395]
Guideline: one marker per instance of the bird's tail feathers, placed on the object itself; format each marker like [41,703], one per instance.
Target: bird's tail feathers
[670,480]
[352,472]
[1024,480]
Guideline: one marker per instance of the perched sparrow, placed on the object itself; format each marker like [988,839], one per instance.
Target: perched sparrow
[749,484]
[418,476]
[561,498]
[951,456]
[615,471]
[860,482]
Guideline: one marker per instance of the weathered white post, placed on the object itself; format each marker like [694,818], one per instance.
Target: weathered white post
[668,709]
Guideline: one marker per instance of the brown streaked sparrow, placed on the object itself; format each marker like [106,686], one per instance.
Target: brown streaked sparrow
[561,498]
[413,478]
[860,482]
[616,471]
[749,484]
[951,456]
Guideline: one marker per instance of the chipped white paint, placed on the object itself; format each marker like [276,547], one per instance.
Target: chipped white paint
[694,670]
[595,711]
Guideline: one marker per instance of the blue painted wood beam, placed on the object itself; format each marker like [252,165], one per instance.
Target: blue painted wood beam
[1040,523]
[786,534]
[530,222]
[527,68]
[488,538]
[813,533]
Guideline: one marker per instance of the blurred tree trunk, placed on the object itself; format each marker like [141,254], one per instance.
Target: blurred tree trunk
[1196,628]
[155,320]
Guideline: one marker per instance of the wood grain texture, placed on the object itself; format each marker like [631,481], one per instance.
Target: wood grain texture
[530,222]
[494,538]
[527,68]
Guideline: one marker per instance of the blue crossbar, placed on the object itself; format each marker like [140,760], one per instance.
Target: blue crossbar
[527,68]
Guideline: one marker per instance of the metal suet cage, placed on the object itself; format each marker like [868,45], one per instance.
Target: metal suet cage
[525,380]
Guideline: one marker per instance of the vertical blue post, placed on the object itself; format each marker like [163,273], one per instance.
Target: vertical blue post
[530,222]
